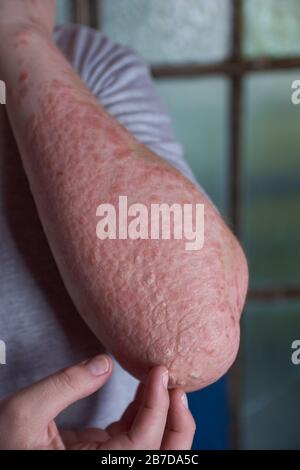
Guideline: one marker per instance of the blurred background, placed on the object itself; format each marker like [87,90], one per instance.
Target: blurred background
[224,69]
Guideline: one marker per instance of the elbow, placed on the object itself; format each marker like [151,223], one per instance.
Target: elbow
[212,340]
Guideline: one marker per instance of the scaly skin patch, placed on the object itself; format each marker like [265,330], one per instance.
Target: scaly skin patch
[149,301]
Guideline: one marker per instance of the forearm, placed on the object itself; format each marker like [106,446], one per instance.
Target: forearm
[72,149]
[149,301]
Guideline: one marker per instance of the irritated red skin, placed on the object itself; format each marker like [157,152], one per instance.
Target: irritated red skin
[149,301]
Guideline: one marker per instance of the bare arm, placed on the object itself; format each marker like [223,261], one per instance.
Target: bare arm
[149,301]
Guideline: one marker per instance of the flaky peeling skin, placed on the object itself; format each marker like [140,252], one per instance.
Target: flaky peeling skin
[150,302]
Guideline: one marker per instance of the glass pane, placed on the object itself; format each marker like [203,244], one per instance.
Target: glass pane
[170,30]
[64,11]
[199,111]
[270,414]
[271,208]
[272,27]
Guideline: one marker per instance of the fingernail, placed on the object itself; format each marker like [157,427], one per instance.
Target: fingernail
[185,401]
[165,379]
[98,365]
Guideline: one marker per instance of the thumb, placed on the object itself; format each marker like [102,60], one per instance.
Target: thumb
[60,390]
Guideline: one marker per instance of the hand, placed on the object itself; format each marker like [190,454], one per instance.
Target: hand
[157,419]
[152,421]
[36,13]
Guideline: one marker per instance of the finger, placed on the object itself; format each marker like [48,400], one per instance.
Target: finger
[89,435]
[180,429]
[124,424]
[148,426]
[60,390]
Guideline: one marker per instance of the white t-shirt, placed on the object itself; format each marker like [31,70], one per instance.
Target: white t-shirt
[42,330]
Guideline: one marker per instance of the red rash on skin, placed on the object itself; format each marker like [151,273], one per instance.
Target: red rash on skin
[149,301]
[23,77]
[22,38]
[23,86]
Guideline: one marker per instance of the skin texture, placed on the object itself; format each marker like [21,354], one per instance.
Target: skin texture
[156,419]
[150,302]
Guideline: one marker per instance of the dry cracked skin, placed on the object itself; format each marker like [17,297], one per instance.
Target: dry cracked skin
[149,301]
